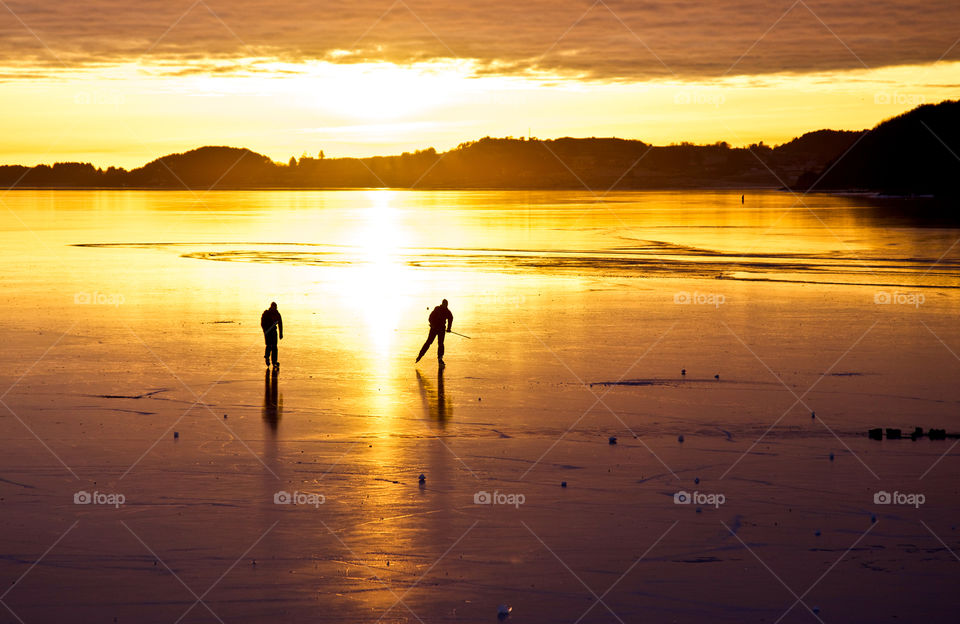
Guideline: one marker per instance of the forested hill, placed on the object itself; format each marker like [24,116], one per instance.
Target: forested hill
[597,163]
[917,153]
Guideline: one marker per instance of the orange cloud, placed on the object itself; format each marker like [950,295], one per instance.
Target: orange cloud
[607,40]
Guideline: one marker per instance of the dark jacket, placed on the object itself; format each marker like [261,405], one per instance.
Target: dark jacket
[269,320]
[441,316]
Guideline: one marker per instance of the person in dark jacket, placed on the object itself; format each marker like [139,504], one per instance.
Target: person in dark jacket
[441,322]
[272,325]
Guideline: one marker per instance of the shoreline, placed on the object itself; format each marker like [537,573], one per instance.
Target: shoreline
[387,188]
[872,194]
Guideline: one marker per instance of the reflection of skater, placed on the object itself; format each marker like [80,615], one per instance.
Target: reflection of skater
[272,403]
[439,318]
[436,402]
[272,326]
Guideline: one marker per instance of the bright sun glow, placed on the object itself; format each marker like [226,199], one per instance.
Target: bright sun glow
[128,115]
[383,91]
[380,283]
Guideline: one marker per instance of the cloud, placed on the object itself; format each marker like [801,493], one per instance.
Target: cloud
[626,40]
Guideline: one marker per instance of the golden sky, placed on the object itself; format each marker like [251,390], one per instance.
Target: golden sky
[121,83]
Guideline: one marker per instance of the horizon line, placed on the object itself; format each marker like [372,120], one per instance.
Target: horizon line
[428,149]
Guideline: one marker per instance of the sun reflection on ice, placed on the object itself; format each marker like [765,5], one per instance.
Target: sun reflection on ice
[379,283]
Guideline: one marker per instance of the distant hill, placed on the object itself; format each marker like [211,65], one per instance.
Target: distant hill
[817,147]
[206,167]
[917,153]
[900,156]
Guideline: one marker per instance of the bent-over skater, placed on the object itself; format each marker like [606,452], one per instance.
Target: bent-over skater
[441,322]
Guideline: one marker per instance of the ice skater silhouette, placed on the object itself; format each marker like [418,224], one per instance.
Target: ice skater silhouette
[441,322]
[272,325]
